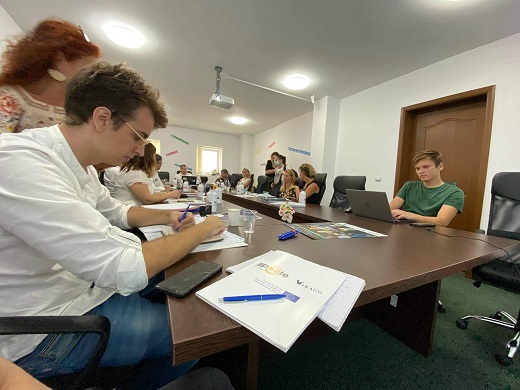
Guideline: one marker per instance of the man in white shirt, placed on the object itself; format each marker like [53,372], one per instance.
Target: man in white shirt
[62,247]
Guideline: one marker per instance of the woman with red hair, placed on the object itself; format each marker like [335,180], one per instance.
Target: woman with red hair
[34,70]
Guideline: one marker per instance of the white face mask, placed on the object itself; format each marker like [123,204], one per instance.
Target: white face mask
[276,163]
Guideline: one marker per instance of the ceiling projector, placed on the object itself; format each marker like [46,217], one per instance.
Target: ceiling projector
[217,100]
[221,101]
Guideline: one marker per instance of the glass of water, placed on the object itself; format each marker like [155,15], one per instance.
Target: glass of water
[249,221]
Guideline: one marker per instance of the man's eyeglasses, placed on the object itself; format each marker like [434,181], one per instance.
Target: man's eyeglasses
[142,141]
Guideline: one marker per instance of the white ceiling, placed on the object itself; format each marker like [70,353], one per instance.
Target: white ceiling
[344,46]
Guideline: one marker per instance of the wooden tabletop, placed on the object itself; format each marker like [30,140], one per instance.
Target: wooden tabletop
[407,258]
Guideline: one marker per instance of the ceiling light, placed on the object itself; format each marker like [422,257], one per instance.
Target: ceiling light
[124,35]
[237,120]
[296,81]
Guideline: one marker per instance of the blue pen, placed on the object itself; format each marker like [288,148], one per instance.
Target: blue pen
[244,298]
[287,235]
[184,214]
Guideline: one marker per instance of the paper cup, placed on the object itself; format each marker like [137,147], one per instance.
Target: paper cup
[233,217]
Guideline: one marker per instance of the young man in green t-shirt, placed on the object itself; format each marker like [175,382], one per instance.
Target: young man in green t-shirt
[429,200]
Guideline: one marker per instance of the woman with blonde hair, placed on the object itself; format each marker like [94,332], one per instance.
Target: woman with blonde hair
[246,179]
[134,184]
[289,190]
[34,71]
[311,188]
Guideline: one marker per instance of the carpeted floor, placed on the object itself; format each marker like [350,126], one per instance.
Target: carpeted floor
[362,356]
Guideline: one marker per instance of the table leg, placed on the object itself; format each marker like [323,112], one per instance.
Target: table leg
[252,364]
[413,319]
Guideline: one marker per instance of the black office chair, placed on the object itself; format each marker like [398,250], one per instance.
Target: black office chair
[504,272]
[237,176]
[321,180]
[339,198]
[251,187]
[262,184]
[65,324]
[164,175]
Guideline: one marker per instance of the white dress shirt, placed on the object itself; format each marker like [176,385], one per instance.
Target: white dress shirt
[62,250]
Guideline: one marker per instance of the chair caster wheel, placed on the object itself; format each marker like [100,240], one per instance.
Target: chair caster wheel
[462,324]
[496,316]
[504,360]
[441,309]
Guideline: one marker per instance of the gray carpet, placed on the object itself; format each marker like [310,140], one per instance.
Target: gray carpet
[362,356]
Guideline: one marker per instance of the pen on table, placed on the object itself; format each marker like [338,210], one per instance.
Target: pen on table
[184,214]
[248,298]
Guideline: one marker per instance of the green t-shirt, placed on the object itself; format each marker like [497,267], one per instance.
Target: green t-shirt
[421,200]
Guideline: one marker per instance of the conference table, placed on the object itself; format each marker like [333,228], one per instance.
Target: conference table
[407,264]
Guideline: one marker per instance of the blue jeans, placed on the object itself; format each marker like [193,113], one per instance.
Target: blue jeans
[140,332]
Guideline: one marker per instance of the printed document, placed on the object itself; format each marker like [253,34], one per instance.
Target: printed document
[307,286]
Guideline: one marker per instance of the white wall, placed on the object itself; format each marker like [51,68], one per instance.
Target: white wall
[8,27]
[369,120]
[290,139]
[183,149]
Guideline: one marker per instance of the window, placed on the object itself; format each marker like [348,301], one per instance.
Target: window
[209,160]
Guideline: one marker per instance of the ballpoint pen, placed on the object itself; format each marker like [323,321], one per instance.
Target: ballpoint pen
[184,214]
[244,298]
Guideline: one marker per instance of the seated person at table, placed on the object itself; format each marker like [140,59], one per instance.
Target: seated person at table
[227,179]
[311,188]
[429,200]
[64,250]
[157,182]
[134,184]
[184,172]
[246,180]
[289,190]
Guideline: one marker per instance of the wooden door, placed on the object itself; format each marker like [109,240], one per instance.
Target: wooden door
[460,129]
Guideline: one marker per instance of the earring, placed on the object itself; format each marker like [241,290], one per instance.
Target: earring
[56,75]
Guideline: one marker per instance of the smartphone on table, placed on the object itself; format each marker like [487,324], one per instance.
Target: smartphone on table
[180,284]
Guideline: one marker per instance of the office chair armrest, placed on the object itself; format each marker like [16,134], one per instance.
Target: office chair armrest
[63,324]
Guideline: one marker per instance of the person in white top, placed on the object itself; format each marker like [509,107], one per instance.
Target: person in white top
[157,182]
[184,172]
[110,178]
[62,244]
[134,184]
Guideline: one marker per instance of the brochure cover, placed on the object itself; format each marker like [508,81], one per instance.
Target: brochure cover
[328,230]
[307,288]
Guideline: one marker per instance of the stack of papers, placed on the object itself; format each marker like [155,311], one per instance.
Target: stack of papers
[308,288]
[230,240]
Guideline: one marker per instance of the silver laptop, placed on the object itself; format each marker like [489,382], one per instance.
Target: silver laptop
[372,204]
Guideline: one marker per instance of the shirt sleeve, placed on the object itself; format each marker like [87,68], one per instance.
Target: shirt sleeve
[10,112]
[455,199]
[403,192]
[47,208]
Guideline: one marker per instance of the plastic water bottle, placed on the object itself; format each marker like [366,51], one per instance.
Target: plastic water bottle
[303,197]
[185,186]
[198,180]
[219,194]
[240,189]
[200,189]
[174,183]
[212,199]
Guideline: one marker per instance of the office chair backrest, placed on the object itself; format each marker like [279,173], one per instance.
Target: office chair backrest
[341,183]
[299,182]
[164,175]
[262,184]
[321,180]
[237,176]
[250,187]
[504,213]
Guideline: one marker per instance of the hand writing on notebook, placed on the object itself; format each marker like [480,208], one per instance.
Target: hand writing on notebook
[180,223]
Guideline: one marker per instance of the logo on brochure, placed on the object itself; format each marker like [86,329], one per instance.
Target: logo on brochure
[303,284]
[272,270]
[291,297]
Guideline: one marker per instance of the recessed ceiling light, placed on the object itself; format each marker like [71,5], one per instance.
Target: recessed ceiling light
[124,35]
[238,120]
[296,81]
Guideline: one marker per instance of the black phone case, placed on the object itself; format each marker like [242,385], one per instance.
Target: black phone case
[172,285]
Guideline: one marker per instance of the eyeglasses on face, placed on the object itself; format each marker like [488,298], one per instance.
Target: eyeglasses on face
[142,141]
